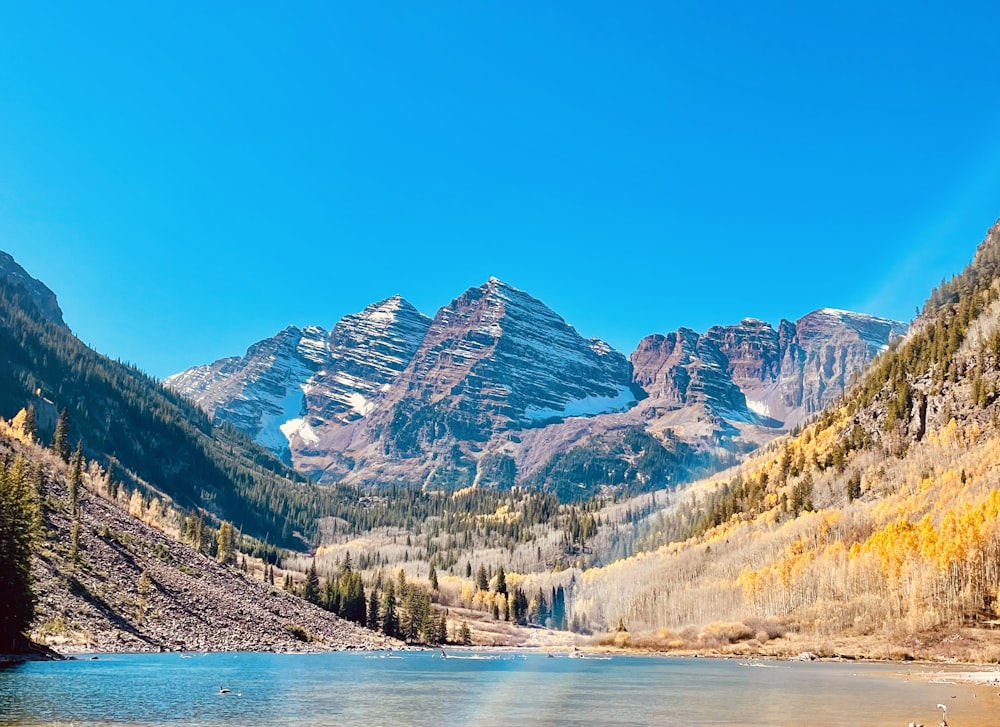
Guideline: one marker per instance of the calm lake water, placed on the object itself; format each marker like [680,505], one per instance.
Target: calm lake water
[421,688]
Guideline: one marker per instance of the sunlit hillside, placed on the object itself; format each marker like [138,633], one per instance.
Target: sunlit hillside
[881,518]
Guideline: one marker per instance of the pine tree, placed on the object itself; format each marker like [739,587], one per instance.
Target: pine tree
[60,440]
[226,545]
[501,582]
[310,591]
[330,600]
[372,615]
[442,634]
[30,424]
[482,581]
[465,635]
[390,619]
[18,517]
[543,609]
[432,576]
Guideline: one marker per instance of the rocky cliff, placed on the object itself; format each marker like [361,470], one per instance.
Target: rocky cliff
[754,373]
[498,376]
[287,386]
[494,361]
[43,298]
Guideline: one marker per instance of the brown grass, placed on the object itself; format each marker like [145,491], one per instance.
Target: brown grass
[770,638]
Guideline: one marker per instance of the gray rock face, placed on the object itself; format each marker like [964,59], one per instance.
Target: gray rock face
[366,353]
[262,391]
[753,373]
[286,387]
[40,295]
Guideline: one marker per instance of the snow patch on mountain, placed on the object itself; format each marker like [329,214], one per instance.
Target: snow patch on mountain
[299,428]
[586,407]
[274,417]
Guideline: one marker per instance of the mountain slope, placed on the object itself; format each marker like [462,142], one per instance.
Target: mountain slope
[286,387]
[43,299]
[153,437]
[105,580]
[881,520]
[494,360]
[261,391]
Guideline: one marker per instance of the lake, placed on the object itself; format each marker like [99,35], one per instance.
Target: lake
[421,688]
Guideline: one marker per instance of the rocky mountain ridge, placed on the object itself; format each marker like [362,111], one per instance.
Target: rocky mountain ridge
[43,298]
[397,397]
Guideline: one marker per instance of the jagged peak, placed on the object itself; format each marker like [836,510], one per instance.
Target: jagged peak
[385,312]
[496,286]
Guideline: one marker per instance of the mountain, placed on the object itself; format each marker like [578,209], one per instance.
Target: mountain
[147,434]
[753,373]
[498,388]
[285,386]
[876,529]
[495,360]
[43,299]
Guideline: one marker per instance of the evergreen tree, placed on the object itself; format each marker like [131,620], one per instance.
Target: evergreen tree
[372,615]
[559,608]
[226,546]
[432,576]
[501,582]
[352,599]
[442,634]
[311,589]
[482,580]
[60,440]
[330,600]
[390,619]
[17,534]
[30,424]
[465,635]
[543,607]
[401,585]
[519,606]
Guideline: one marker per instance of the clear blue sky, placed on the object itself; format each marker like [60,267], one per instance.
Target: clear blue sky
[191,177]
